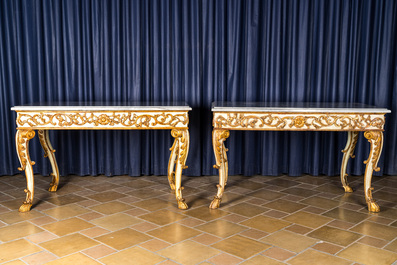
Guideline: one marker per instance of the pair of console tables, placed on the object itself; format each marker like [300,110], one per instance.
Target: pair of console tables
[351,118]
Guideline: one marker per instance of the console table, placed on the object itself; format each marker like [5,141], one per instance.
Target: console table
[100,116]
[350,118]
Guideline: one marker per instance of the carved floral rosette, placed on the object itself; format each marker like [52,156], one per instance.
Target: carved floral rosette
[299,121]
[102,120]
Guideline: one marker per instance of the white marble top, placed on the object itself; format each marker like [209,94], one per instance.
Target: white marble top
[103,106]
[300,107]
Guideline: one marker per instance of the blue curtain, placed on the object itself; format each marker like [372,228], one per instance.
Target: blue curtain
[198,51]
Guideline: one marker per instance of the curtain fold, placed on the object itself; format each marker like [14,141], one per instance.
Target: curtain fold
[198,51]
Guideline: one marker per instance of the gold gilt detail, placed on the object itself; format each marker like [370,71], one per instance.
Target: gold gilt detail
[44,144]
[375,147]
[352,145]
[221,136]
[182,152]
[95,119]
[23,138]
[344,122]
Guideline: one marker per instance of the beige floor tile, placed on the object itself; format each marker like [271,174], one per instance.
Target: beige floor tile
[39,258]
[174,233]
[221,228]
[111,207]
[341,224]
[66,211]
[321,202]
[77,258]
[41,237]
[267,195]
[13,217]
[15,262]
[43,220]
[123,238]
[246,209]
[191,222]
[106,196]
[282,182]
[267,224]
[254,234]
[240,246]
[206,214]
[163,217]
[373,241]
[99,251]
[154,204]
[65,199]
[289,241]
[135,255]
[392,246]
[311,256]
[68,244]
[138,184]
[300,192]
[307,219]
[278,253]
[116,221]
[234,218]
[303,230]
[103,187]
[225,259]
[346,215]
[17,249]
[285,206]
[94,232]
[18,230]
[327,247]
[188,252]
[144,226]
[376,230]
[67,226]
[206,239]
[261,260]
[154,245]
[368,255]
[335,235]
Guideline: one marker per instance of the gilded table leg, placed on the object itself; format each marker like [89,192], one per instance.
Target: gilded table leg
[22,139]
[218,138]
[347,153]
[179,152]
[375,138]
[49,152]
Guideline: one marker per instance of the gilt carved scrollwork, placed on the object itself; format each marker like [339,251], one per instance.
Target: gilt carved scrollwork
[183,142]
[23,137]
[219,148]
[375,138]
[120,119]
[299,122]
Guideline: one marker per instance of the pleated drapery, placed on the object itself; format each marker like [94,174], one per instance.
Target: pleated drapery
[198,51]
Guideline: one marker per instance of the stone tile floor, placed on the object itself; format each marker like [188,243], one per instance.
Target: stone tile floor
[134,220]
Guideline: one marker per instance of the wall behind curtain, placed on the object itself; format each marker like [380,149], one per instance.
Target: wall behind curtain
[198,51]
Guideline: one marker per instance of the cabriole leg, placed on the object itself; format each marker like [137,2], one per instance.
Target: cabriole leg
[347,153]
[180,150]
[218,138]
[49,152]
[375,138]
[22,139]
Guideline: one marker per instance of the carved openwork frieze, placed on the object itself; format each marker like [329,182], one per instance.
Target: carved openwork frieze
[298,121]
[93,119]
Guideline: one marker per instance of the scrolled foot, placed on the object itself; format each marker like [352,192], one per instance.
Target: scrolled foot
[373,207]
[216,202]
[53,187]
[25,207]
[182,204]
[348,189]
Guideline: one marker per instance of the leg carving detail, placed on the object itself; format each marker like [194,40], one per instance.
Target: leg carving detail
[49,152]
[375,138]
[22,139]
[218,138]
[347,153]
[179,152]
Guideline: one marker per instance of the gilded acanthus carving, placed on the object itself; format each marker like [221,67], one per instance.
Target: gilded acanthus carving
[297,122]
[23,137]
[219,147]
[376,138]
[122,119]
[183,142]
